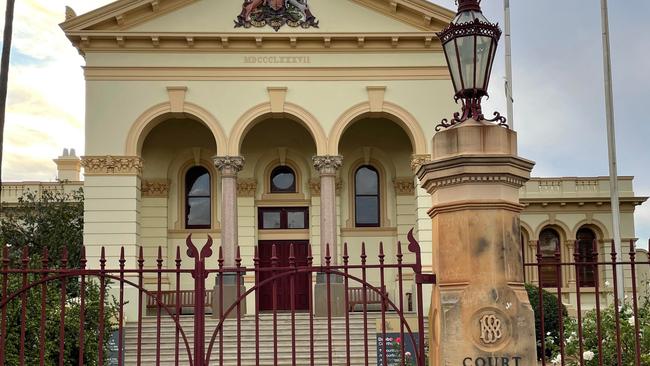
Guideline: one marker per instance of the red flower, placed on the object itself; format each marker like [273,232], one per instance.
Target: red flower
[398,340]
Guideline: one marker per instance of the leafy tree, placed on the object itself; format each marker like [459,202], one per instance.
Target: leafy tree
[51,222]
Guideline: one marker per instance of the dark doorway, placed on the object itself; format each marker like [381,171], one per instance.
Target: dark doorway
[283,284]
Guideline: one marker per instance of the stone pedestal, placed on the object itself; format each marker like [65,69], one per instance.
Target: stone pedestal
[336,293]
[480,310]
[229,296]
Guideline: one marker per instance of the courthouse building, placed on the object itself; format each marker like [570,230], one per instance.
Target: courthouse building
[304,127]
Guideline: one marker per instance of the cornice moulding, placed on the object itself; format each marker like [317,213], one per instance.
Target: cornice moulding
[90,41]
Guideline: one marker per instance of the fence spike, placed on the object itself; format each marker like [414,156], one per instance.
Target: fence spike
[25,258]
[328,257]
[102,258]
[238,257]
[64,258]
[381,252]
[46,260]
[160,259]
[274,255]
[310,256]
[220,260]
[83,260]
[613,251]
[140,258]
[122,260]
[346,257]
[363,252]
[292,256]
[256,256]
[178,255]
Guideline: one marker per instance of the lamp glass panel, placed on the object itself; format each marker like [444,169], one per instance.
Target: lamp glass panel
[452,58]
[483,60]
[466,53]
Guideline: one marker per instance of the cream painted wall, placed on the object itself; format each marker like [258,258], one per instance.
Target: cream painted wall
[113,106]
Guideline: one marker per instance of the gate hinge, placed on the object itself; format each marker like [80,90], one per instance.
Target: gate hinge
[425,278]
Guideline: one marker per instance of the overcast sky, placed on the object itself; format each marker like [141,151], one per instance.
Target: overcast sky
[558,88]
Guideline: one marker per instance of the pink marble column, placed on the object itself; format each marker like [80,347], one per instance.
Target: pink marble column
[327,166]
[229,166]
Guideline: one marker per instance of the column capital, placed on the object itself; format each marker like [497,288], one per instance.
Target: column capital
[229,165]
[327,164]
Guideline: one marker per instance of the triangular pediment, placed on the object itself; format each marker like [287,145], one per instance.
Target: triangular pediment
[217,16]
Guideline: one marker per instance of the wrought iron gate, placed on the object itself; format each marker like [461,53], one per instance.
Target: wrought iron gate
[371,280]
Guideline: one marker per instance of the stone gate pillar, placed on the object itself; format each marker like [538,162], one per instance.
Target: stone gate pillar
[480,313]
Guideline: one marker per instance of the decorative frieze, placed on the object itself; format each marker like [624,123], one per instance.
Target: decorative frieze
[155,188]
[246,187]
[477,179]
[112,165]
[404,186]
[328,164]
[418,160]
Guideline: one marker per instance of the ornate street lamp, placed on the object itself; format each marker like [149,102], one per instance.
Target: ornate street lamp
[470,44]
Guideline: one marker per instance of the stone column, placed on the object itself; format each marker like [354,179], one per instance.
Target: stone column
[327,166]
[228,166]
[480,310]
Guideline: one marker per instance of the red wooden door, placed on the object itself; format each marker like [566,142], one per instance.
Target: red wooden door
[283,284]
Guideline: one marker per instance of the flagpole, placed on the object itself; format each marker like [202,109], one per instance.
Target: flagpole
[509,99]
[611,143]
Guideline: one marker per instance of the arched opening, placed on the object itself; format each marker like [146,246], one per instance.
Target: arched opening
[198,198]
[549,250]
[279,150]
[586,257]
[378,150]
[367,197]
[282,180]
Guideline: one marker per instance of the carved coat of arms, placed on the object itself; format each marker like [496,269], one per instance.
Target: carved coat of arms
[276,14]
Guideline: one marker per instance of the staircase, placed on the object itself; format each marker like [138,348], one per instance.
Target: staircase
[266,351]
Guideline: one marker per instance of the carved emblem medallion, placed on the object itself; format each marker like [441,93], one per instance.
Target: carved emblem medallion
[491,329]
[276,14]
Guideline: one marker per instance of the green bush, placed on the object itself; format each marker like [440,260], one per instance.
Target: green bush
[51,221]
[609,343]
[551,307]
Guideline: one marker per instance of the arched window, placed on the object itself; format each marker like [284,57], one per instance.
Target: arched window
[549,245]
[283,180]
[366,197]
[198,198]
[586,246]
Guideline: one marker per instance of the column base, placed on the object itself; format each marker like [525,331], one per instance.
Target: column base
[229,293]
[336,293]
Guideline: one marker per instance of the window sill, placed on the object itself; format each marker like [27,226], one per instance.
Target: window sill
[368,231]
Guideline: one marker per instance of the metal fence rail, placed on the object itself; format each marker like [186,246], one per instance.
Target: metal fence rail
[601,329]
[98,298]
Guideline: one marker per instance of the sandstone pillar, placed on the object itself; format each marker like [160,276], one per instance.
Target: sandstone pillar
[228,166]
[480,309]
[327,166]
